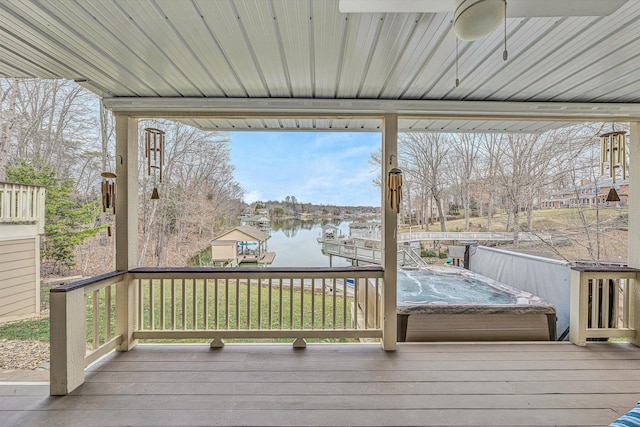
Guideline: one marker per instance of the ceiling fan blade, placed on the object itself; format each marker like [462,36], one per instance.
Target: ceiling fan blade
[397,6]
[552,8]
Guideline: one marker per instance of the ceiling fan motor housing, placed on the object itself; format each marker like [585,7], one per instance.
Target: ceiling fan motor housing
[474,19]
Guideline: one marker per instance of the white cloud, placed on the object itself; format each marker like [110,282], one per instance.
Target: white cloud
[252,196]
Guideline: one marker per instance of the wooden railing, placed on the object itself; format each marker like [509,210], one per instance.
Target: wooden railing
[21,203]
[601,303]
[253,303]
[92,317]
[86,323]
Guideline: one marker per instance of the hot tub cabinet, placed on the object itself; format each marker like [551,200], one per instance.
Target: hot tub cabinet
[487,324]
[433,306]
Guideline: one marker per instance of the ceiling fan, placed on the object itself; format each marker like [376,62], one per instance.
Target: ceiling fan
[474,19]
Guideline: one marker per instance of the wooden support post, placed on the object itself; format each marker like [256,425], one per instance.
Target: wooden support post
[126,305]
[389,235]
[579,309]
[68,341]
[126,225]
[126,192]
[633,254]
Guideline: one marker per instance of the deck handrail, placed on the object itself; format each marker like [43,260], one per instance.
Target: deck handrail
[207,303]
[78,307]
[22,203]
[601,303]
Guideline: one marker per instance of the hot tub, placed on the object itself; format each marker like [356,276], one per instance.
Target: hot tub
[454,304]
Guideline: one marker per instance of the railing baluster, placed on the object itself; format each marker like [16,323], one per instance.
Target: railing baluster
[205,308]
[626,298]
[606,284]
[344,303]
[313,303]
[141,304]
[324,303]
[194,317]
[259,314]
[248,299]
[378,314]
[281,308]
[107,312]
[184,304]
[162,305]
[237,303]
[595,302]
[366,303]
[334,304]
[354,321]
[151,305]
[173,304]
[216,302]
[301,303]
[291,280]
[96,319]
[270,306]
[226,295]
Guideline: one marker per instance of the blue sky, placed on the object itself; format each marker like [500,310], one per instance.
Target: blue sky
[323,168]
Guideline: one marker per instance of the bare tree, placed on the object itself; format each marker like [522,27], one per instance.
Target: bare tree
[463,168]
[424,156]
[9,93]
[198,194]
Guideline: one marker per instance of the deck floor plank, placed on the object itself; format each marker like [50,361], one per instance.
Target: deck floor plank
[476,384]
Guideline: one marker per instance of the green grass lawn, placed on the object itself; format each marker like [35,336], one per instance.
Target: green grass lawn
[290,310]
[27,329]
[284,315]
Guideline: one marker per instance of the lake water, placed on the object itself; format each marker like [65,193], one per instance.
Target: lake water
[295,244]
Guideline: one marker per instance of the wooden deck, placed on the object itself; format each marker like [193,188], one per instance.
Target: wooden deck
[495,384]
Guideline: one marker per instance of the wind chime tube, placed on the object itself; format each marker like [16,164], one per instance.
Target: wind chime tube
[147,150]
[603,153]
[612,157]
[613,152]
[394,189]
[622,155]
[108,190]
[154,142]
[161,153]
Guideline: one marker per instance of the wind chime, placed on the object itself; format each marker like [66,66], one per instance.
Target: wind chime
[108,188]
[613,156]
[394,189]
[154,152]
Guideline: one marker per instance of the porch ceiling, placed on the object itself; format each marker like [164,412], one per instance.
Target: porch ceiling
[296,51]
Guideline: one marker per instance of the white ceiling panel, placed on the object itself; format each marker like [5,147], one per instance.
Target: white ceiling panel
[293,25]
[301,50]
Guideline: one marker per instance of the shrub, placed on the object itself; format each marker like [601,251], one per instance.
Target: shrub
[428,254]
[443,255]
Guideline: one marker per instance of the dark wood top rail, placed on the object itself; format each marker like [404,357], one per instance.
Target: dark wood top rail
[605,269]
[218,271]
[86,282]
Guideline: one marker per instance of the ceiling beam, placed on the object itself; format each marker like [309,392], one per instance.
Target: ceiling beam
[373,108]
